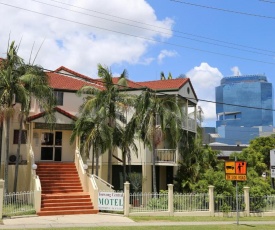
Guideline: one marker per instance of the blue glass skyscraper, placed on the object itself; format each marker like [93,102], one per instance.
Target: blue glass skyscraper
[243,103]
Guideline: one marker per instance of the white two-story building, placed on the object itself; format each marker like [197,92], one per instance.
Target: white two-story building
[54,145]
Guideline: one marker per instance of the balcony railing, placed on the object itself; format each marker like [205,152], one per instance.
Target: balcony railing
[165,155]
[189,124]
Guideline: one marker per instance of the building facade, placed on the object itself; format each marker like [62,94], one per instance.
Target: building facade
[244,106]
[45,145]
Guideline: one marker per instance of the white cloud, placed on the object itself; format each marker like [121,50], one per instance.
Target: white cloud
[204,79]
[166,53]
[81,41]
[236,71]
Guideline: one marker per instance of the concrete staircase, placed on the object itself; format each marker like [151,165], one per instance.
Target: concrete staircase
[62,193]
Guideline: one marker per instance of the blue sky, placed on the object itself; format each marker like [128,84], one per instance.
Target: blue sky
[78,41]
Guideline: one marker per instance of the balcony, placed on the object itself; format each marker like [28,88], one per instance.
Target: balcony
[189,124]
[165,155]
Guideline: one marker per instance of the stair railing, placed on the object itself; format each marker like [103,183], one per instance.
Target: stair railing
[80,169]
[102,184]
[35,181]
[89,185]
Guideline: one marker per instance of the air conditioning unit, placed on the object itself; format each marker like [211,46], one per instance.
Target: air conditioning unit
[12,158]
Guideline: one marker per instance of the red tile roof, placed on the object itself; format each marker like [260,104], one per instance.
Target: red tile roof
[169,84]
[165,84]
[63,82]
[130,84]
[57,109]
[65,69]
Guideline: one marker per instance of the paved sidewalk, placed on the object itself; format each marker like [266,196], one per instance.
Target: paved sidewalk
[100,220]
[87,220]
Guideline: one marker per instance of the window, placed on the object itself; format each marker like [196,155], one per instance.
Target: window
[23,137]
[59,97]
[47,139]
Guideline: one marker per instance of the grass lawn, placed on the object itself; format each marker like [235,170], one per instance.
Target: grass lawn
[205,227]
[198,218]
[209,226]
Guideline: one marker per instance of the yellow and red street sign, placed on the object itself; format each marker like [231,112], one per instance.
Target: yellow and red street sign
[235,170]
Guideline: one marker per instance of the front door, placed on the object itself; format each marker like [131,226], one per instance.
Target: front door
[51,146]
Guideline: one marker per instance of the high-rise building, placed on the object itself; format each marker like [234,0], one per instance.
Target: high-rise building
[244,108]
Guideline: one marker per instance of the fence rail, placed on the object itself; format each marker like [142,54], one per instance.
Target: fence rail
[191,202]
[148,202]
[262,203]
[227,204]
[18,203]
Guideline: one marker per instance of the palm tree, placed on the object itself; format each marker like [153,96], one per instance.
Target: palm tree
[10,89]
[126,142]
[36,85]
[162,76]
[155,117]
[94,133]
[107,104]
[19,82]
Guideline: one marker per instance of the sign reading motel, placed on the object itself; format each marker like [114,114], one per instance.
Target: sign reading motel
[112,201]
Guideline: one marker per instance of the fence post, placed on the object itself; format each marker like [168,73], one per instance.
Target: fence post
[211,200]
[37,200]
[246,201]
[126,198]
[1,197]
[170,199]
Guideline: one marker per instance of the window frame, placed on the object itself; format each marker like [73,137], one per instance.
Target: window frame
[59,96]
[24,136]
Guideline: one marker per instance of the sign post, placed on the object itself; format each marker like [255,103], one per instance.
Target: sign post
[235,171]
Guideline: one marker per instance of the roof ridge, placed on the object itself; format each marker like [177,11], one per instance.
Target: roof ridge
[165,80]
[82,76]
[73,72]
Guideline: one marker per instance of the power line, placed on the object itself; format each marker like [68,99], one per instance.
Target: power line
[175,35]
[224,10]
[154,26]
[140,37]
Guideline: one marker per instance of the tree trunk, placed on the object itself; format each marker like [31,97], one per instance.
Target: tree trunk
[93,157]
[18,152]
[124,166]
[96,162]
[109,165]
[110,153]
[129,166]
[154,170]
[7,154]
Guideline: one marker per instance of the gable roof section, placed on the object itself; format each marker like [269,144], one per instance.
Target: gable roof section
[73,74]
[169,84]
[64,82]
[56,109]
[79,75]
[130,84]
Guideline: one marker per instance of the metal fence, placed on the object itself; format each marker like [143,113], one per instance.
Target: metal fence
[262,203]
[18,203]
[191,202]
[148,202]
[228,204]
